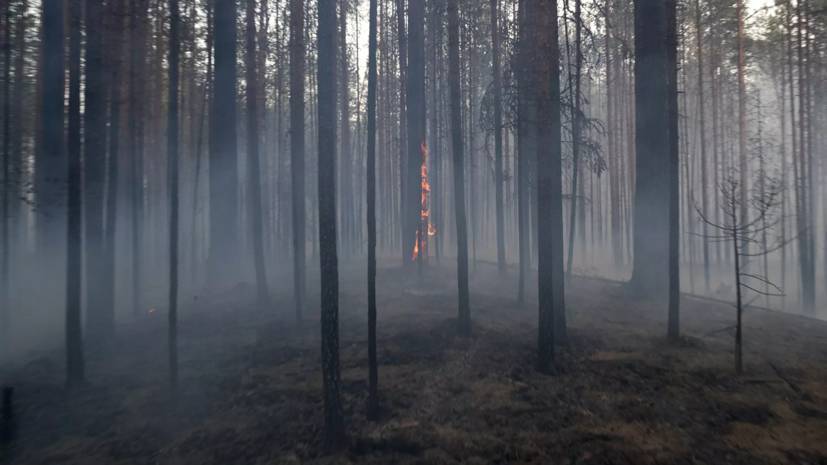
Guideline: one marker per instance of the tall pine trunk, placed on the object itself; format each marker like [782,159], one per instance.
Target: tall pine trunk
[255,210]
[671,75]
[702,142]
[347,212]
[525,146]
[545,85]
[114,39]
[172,173]
[652,145]
[334,432]
[5,301]
[498,136]
[50,159]
[464,312]
[415,130]
[575,135]
[100,319]
[373,375]
[224,215]
[74,340]
[297,57]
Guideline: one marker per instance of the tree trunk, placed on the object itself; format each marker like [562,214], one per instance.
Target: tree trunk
[114,39]
[652,156]
[545,85]
[74,339]
[403,129]
[575,134]
[100,320]
[416,129]
[526,145]
[702,141]
[498,135]
[136,145]
[807,257]
[297,57]
[50,172]
[334,433]
[253,165]
[347,212]
[5,301]
[742,117]
[223,164]
[464,312]
[673,325]
[373,376]
[172,173]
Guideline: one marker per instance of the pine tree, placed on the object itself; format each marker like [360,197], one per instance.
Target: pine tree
[334,432]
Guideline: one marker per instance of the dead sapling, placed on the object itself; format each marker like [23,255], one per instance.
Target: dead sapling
[746,235]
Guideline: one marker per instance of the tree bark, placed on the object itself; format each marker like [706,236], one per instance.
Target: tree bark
[74,340]
[172,173]
[253,164]
[415,129]
[334,433]
[545,84]
[498,135]
[100,319]
[463,311]
[526,146]
[297,68]
[673,324]
[652,156]
[223,163]
[50,172]
[373,375]
[5,301]
[348,211]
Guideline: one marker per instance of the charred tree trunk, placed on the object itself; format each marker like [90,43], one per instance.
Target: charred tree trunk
[702,142]
[742,116]
[498,135]
[74,339]
[223,164]
[545,92]
[172,174]
[348,211]
[115,41]
[673,325]
[100,319]
[652,144]
[50,173]
[526,137]
[137,41]
[334,433]
[575,134]
[373,371]
[5,301]
[297,57]
[403,129]
[464,312]
[253,164]
[416,131]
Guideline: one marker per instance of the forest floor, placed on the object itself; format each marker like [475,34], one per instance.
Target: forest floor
[250,390]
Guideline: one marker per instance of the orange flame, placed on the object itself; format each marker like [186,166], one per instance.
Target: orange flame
[421,243]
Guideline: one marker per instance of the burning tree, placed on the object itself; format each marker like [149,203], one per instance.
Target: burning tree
[745,224]
[425,228]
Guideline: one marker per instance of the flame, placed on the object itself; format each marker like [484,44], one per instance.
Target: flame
[416,248]
[421,243]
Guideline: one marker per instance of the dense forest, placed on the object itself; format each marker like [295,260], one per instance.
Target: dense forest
[413,231]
